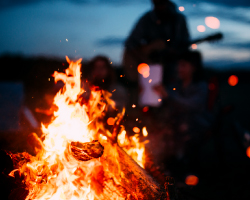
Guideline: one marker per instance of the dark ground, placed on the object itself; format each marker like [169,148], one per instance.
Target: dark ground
[224,170]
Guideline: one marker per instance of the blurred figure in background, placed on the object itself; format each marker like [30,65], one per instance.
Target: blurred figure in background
[100,73]
[187,101]
[158,37]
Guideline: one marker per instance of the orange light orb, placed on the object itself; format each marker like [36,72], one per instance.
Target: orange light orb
[145,109]
[201,28]
[192,180]
[111,121]
[136,130]
[212,22]
[145,74]
[233,80]
[143,69]
[248,152]
[194,46]
[181,8]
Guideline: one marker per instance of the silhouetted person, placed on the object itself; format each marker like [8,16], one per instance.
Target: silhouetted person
[156,38]
[101,74]
[187,99]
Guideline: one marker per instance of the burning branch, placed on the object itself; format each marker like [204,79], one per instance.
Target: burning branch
[86,151]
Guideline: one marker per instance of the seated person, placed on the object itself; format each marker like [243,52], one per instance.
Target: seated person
[187,101]
[101,74]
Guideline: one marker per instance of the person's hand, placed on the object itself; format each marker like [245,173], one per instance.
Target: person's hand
[161,91]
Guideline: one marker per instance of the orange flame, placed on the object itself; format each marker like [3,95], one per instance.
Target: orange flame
[54,173]
[133,146]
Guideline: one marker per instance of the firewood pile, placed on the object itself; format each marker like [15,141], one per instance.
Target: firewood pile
[119,176]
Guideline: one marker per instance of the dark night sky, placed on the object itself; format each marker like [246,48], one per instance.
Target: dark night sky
[41,27]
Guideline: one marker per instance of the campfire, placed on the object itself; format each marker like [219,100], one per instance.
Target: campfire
[77,158]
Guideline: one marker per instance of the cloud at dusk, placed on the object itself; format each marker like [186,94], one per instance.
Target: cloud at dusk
[41,27]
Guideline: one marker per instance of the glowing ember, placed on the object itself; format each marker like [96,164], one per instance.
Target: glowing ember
[201,28]
[212,22]
[111,121]
[136,130]
[233,80]
[192,180]
[144,132]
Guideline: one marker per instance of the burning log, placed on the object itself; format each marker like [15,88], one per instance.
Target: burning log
[119,177]
[134,180]
[19,159]
[86,151]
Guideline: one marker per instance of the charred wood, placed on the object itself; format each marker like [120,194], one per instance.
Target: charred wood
[86,151]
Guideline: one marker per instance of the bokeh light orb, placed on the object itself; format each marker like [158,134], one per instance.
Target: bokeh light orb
[194,46]
[192,180]
[248,152]
[181,8]
[145,109]
[145,74]
[233,80]
[201,28]
[143,69]
[212,22]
